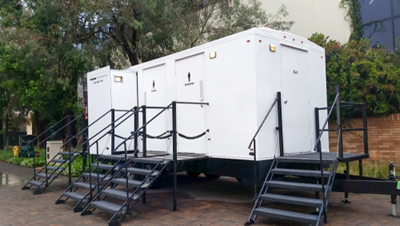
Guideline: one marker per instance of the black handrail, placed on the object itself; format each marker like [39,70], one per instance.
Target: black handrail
[51,127]
[112,128]
[262,123]
[320,153]
[253,142]
[84,129]
[140,128]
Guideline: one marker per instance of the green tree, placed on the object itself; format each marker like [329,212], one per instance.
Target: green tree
[364,74]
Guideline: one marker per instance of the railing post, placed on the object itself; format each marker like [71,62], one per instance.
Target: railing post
[112,131]
[84,144]
[97,160]
[365,126]
[45,163]
[317,128]
[175,152]
[280,124]
[144,146]
[144,134]
[339,123]
[126,176]
[136,126]
[69,152]
[255,170]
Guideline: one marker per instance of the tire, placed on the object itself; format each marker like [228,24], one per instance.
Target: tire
[212,177]
[192,174]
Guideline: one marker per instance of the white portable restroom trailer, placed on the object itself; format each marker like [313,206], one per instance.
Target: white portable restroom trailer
[239,77]
[111,93]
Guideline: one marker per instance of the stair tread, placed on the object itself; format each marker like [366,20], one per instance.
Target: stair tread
[60,160]
[147,160]
[295,186]
[134,170]
[298,172]
[118,194]
[85,185]
[74,195]
[53,168]
[289,159]
[101,176]
[106,206]
[36,183]
[43,175]
[288,215]
[134,183]
[292,200]
[102,166]
[112,157]
[67,153]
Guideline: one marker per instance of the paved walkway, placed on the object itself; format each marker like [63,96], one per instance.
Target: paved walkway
[200,202]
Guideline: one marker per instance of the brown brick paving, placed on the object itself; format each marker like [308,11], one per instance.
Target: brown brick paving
[226,204]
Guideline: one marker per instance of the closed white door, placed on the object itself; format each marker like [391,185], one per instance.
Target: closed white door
[295,101]
[190,118]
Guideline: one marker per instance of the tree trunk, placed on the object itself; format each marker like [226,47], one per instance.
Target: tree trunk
[1,135]
[7,133]
[70,130]
[40,126]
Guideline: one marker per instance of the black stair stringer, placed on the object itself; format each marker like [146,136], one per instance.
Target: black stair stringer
[302,183]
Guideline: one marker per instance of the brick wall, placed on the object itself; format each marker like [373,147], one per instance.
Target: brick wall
[383,137]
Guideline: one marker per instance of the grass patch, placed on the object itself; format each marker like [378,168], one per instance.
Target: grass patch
[374,169]
[8,156]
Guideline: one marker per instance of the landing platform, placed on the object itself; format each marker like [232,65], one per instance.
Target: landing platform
[329,156]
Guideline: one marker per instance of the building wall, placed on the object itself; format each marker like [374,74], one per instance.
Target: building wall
[383,137]
[310,16]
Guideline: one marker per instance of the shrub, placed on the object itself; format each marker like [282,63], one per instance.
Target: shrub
[364,74]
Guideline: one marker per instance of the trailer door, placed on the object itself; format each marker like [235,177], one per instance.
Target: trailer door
[155,95]
[295,101]
[190,118]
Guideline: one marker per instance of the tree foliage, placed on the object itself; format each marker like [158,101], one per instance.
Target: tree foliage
[364,74]
[46,46]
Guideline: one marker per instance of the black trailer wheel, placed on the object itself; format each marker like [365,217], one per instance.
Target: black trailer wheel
[212,177]
[192,174]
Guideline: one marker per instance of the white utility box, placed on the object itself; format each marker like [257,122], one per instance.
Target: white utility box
[52,148]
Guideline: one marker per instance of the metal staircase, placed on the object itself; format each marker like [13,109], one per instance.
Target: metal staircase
[50,171]
[133,189]
[283,176]
[92,180]
[53,168]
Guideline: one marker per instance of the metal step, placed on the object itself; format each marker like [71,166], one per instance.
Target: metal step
[292,200]
[36,183]
[102,166]
[43,175]
[67,153]
[60,160]
[296,172]
[112,157]
[106,206]
[94,175]
[287,215]
[53,168]
[131,183]
[85,185]
[295,186]
[118,194]
[302,160]
[141,171]
[74,195]
[147,160]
